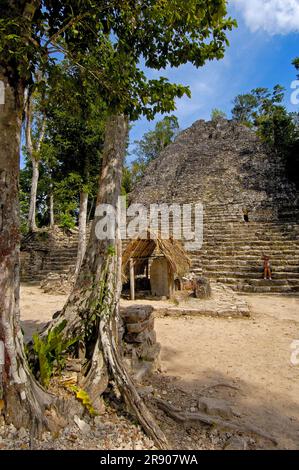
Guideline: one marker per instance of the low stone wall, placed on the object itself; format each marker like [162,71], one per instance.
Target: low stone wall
[140,347]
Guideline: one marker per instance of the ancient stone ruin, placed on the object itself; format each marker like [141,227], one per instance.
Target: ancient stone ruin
[140,348]
[228,169]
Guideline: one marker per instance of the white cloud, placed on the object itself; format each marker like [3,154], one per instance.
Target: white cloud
[272,16]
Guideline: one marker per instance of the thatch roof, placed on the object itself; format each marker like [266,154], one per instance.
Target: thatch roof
[142,248]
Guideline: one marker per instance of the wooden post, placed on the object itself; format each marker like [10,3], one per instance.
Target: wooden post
[132,279]
[171,282]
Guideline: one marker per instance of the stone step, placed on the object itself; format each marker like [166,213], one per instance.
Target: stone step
[238,259]
[211,238]
[263,229]
[245,248]
[232,260]
[262,289]
[242,239]
[246,244]
[250,252]
[62,256]
[255,257]
[223,228]
[254,232]
[260,282]
[251,270]
[245,265]
[265,289]
[251,275]
[61,270]
[54,265]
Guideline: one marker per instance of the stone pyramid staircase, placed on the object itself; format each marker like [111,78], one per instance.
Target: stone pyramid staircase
[41,258]
[232,252]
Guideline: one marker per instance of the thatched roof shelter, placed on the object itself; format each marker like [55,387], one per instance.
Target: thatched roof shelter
[151,245]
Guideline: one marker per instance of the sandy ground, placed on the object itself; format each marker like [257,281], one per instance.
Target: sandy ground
[253,355]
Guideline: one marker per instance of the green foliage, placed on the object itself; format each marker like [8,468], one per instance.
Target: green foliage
[105,51]
[148,149]
[110,43]
[76,121]
[153,142]
[66,221]
[45,363]
[296,63]
[259,103]
[217,114]
[263,110]
[84,398]
[127,181]
[244,106]
[111,250]
[24,211]
[51,352]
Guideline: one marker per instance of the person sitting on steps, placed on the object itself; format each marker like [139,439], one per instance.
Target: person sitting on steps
[267,268]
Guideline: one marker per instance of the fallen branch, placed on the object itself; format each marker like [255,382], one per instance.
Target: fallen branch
[185,417]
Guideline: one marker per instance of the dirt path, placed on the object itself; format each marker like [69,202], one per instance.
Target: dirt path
[252,354]
[37,308]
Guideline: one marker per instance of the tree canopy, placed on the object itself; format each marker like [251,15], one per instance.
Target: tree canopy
[263,110]
[111,38]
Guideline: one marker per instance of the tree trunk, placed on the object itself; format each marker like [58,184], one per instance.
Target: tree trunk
[82,231]
[51,210]
[24,400]
[33,153]
[51,207]
[81,303]
[92,309]
[33,193]
[90,209]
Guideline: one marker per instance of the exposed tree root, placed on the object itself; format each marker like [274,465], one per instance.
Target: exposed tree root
[185,417]
[97,378]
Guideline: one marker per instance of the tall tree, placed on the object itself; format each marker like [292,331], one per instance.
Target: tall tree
[184,31]
[76,122]
[263,110]
[24,400]
[244,106]
[35,128]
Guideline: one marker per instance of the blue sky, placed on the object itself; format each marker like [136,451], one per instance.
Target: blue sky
[260,55]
